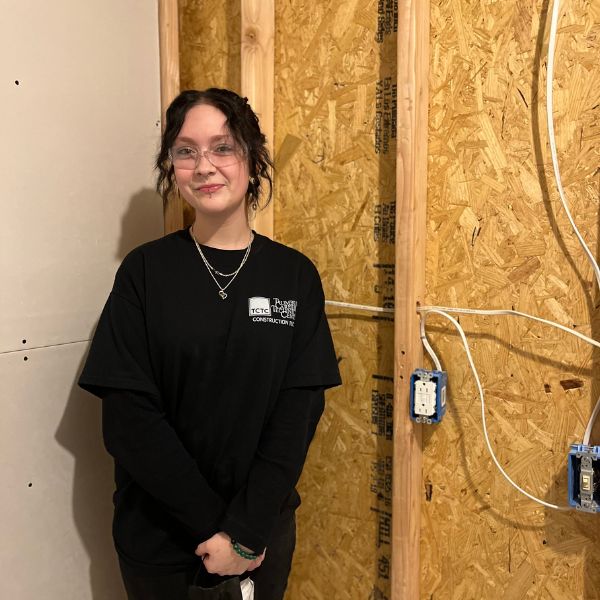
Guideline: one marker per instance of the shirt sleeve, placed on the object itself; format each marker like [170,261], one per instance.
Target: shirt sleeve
[276,467]
[137,434]
[136,430]
[312,359]
[119,356]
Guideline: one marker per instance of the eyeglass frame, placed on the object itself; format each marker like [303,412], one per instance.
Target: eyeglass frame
[239,152]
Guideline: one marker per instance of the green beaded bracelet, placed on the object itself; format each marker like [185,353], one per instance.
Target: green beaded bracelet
[240,552]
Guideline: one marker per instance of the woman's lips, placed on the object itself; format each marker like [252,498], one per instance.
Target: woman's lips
[210,189]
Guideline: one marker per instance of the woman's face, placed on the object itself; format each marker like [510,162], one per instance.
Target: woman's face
[211,191]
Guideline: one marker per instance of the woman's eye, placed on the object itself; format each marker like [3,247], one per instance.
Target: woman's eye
[185,152]
[223,149]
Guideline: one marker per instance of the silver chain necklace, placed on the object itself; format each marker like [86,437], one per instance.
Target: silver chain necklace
[212,270]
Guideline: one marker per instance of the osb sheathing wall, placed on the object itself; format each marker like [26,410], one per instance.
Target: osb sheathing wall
[497,238]
[334,194]
[335,168]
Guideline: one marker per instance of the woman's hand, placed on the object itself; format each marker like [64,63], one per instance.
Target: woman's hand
[219,557]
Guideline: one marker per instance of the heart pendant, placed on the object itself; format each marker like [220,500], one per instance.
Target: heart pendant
[222,294]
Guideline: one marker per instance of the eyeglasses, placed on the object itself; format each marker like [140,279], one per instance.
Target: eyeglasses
[188,157]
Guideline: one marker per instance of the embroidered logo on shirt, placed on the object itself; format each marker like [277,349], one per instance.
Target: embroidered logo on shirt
[259,306]
[272,310]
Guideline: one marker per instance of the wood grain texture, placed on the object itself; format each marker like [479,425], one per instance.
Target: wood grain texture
[257,60]
[168,23]
[411,195]
[209,50]
[497,238]
[335,166]
[210,44]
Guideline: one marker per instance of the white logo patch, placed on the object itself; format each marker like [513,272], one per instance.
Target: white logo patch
[259,306]
[272,310]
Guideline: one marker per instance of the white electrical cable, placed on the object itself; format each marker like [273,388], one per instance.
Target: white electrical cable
[465,311]
[552,139]
[515,313]
[425,311]
[555,166]
[472,311]
[364,307]
[590,425]
[427,345]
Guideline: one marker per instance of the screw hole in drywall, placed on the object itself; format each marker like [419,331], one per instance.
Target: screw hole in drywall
[24,341]
[17,82]
[30,484]
[25,358]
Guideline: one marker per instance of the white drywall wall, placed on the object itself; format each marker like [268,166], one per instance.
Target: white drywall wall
[79,116]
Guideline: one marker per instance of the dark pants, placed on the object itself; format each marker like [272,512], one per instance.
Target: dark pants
[270,579]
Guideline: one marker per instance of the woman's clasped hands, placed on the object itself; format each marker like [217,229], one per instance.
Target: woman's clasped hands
[219,557]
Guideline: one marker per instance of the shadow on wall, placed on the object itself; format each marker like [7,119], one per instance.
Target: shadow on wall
[142,222]
[80,431]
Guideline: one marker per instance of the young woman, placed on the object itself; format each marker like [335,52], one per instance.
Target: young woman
[211,357]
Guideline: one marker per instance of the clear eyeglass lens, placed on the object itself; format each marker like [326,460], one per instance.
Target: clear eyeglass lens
[188,157]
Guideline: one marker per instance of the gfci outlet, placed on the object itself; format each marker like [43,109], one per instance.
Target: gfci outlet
[428,396]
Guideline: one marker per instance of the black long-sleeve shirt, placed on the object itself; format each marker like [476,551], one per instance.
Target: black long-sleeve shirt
[149,454]
[209,404]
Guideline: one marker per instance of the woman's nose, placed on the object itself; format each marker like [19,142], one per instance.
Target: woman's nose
[203,165]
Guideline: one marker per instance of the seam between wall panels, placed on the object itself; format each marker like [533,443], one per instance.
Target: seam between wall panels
[29,348]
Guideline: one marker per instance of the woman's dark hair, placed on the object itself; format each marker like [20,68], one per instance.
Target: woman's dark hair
[243,125]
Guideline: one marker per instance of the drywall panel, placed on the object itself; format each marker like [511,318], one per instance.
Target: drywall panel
[57,484]
[497,238]
[80,119]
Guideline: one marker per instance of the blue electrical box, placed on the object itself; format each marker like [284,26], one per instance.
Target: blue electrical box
[584,477]
[428,396]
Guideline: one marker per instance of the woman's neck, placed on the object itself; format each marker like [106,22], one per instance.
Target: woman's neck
[224,236]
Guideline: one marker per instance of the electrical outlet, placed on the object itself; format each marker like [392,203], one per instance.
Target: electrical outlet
[428,396]
[425,398]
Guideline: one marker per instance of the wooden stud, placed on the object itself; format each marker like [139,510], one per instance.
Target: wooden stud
[258,58]
[411,200]
[168,23]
